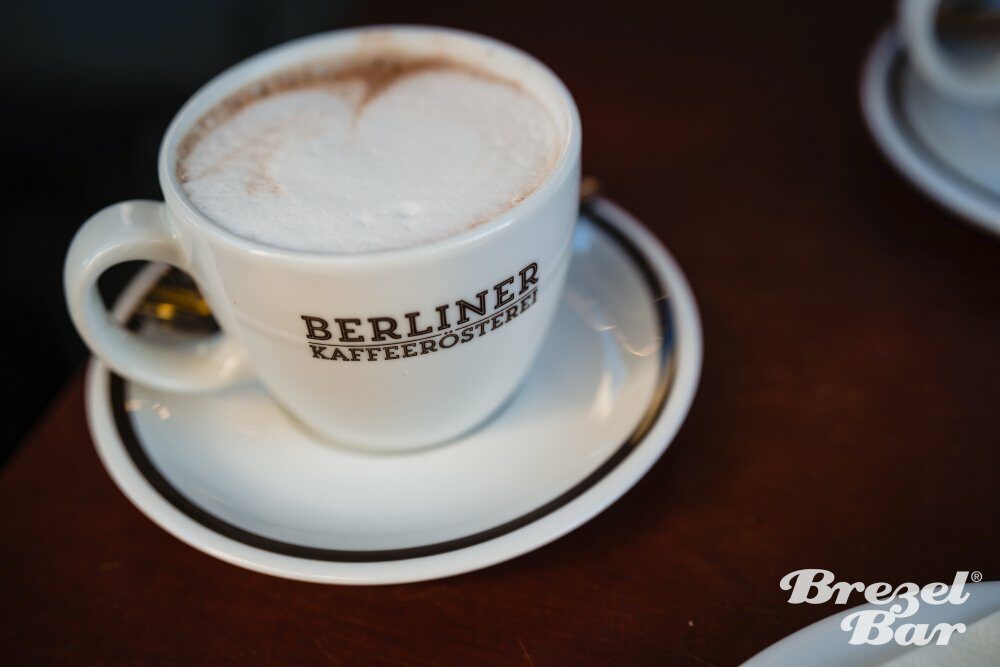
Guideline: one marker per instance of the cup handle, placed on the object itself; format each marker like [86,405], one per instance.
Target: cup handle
[139,230]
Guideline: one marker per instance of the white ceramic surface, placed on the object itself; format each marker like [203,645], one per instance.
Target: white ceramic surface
[231,474]
[948,149]
[444,331]
[958,70]
[824,644]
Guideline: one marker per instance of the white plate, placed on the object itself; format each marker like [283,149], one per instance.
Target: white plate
[232,475]
[949,150]
[824,644]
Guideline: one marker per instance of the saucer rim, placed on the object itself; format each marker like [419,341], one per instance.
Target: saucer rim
[881,108]
[635,458]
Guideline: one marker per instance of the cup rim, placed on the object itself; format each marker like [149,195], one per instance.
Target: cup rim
[978,83]
[223,84]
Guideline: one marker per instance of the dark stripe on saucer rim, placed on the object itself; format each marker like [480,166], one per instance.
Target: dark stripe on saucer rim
[133,446]
[895,81]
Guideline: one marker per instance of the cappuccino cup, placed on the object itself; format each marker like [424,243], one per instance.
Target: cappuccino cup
[380,220]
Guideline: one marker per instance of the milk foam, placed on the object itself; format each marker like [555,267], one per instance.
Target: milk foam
[351,165]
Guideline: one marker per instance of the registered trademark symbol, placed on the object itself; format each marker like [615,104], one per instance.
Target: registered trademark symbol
[976,576]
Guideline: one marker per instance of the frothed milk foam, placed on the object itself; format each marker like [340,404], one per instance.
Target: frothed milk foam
[368,153]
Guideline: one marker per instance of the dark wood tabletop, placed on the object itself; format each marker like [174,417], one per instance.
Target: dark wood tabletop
[848,416]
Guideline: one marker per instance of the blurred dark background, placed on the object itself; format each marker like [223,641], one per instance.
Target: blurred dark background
[90,87]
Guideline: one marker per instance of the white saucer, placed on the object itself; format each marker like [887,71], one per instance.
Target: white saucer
[231,474]
[824,644]
[947,149]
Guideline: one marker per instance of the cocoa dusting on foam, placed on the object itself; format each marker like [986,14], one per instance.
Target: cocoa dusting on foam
[369,152]
[376,73]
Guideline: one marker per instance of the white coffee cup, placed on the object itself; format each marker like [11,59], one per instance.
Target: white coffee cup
[973,80]
[275,305]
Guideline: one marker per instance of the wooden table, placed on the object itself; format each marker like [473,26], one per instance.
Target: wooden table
[848,416]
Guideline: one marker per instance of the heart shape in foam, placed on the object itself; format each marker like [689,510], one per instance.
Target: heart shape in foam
[340,165]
